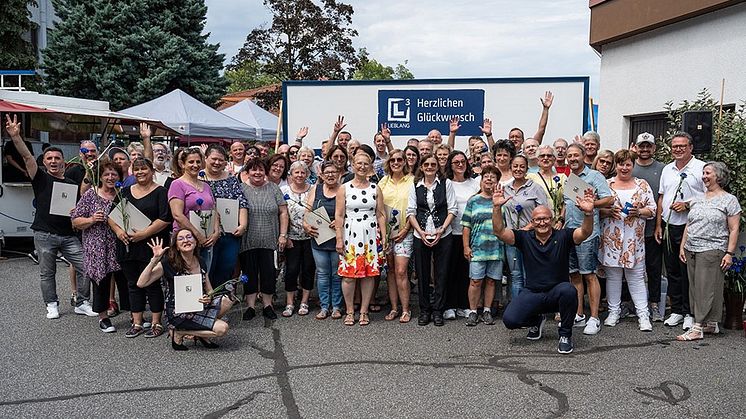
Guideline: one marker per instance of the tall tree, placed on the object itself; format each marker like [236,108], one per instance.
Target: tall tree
[16,52]
[249,75]
[305,41]
[131,51]
[370,69]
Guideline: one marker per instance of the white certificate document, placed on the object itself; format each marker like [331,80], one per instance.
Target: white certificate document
[64,198]
[575,187]
[228,210]
[320,219]
[202,222]
[137,221]
[187,292]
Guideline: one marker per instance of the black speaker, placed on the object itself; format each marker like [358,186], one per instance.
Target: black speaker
[698,124]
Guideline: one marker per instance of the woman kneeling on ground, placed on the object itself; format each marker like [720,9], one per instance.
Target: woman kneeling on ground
[182,259]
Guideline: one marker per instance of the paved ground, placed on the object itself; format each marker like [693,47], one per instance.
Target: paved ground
[301,367]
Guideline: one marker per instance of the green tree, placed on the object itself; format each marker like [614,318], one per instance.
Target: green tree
[131,51]
[370,69]
[16,52]
[249,75]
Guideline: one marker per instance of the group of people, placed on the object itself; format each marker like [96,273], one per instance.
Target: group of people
[462,223]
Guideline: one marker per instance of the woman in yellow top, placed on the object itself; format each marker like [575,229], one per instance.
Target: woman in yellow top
[395,187]
[552,182]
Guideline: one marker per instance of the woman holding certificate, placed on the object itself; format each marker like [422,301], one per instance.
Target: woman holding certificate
[234,214]
[300,264]
[133,253]
[181,261]
[99,256]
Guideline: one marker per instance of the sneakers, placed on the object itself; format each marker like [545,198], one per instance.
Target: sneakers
[449,314]
[592,326]
[565,345]
[106,326]
[711,327]
[249,314]
[534,332]
[487,317]
[688,322]
[424,318]
[472,320]
[612,319]
[462,313]
[135,331]
[269,313]
[53,311]
[655,313]
[86,309]
[645,325]
[579,321]
[674,319]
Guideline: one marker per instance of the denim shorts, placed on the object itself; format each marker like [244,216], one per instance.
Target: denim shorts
[584,257]
[404,247]
[492,269]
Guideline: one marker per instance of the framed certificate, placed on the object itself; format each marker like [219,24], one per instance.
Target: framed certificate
[187,292]
[64,198]
[228,210]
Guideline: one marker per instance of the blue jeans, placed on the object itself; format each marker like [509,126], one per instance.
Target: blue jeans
[514,259]
[224,257]
[47,245]
[526,309]
[327,263]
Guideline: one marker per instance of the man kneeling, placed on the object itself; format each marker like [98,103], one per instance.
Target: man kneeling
[546,255]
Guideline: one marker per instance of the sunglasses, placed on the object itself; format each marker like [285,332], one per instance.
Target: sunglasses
[546,156]
[397,160]
[426,165]
[458,162]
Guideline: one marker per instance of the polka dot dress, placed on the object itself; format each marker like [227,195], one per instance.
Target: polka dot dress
[361,258]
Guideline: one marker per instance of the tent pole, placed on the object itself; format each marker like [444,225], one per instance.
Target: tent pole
[279,127]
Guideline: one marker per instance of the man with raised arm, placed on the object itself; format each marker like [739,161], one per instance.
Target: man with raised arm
[52,233]
[546,256]
[341,137]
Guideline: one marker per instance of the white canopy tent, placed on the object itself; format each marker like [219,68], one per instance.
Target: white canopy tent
[253,115]
[190,117]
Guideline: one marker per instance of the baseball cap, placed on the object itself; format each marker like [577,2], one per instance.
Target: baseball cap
[645,137]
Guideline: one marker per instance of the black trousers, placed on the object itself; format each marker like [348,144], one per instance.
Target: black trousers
[457,283]
[101,292]
[259,266]
[678,281]
[299,262]
[653,268]
[526,308]
[153,293]
[439,255]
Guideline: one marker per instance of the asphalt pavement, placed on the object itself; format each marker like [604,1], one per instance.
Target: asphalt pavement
[302,367]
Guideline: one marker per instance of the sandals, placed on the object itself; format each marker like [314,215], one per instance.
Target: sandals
[349,319]
[321,315]
[695,333]
[405,317]
[336,314]
[303,310]
[364,319]
[393,314]
[288,312]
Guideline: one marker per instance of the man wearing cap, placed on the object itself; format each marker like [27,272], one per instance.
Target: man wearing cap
[646,167]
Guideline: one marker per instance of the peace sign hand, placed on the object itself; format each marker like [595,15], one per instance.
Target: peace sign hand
[340,124]
[12,126]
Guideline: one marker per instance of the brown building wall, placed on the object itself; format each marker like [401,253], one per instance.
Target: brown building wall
[612,20]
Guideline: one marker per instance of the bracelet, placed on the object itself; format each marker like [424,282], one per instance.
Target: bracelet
[730,253]
[283,234]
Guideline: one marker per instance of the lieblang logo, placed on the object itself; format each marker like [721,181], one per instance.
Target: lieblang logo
[398,109]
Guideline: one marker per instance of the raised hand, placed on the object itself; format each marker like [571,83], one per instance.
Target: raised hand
[546,102]
[498,196]
[386,132]
[203,148]
[578,140]
[586,202]
[486,127]
[340,124]
[302,132]
[12,125]
[453,126]
[156,245]
[145,131]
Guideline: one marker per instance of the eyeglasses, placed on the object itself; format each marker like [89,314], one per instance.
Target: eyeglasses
[458,162]
[427,165]
[546,156]
[330,173]
[606,162]
[540,220]
[396,160]
[680,146]
[184,238]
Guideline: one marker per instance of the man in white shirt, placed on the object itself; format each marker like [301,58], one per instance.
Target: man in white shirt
[681,181]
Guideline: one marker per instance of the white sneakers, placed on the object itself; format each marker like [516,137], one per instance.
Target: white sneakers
[644,323]
[53,311]
[612,319]
[592,326]
[673,319]
[449,314]
[86,309]
[579,321]
[688,322]
[461,312]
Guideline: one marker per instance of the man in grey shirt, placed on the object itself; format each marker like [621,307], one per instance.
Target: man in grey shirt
[646,167]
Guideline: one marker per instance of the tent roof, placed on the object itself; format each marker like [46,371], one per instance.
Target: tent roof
[7,106]
[67,105]
[253,115]
[188,116]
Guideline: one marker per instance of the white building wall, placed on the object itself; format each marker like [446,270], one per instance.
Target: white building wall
[640,74]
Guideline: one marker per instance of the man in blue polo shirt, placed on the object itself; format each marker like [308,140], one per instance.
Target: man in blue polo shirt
[546,255]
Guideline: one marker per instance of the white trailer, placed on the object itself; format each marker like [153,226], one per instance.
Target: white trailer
[411,108]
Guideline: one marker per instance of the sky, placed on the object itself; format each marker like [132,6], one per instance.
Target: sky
[448,39]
